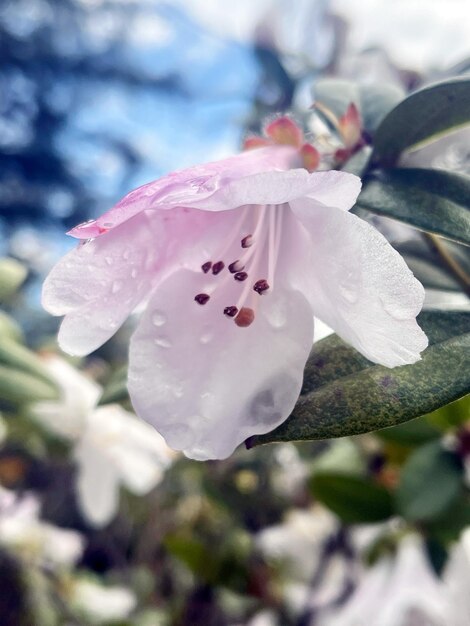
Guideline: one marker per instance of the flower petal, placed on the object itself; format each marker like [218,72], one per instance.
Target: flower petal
[97,484]
[335,189]
[98,284]
[191,187]
[207,384]
[360,286]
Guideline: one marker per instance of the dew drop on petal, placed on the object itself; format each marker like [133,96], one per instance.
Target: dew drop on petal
[117,286]
[163,342]
[109,260]
[126,254]
[348,291]
[134,272]
[158,318]
[206,337]
[276,315]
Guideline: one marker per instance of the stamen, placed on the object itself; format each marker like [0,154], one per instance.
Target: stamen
[261,286]
[241,276]
[206,266]
[230,311]
[245,317]
[247,241]
[236,266]
[218,267]
[202,298]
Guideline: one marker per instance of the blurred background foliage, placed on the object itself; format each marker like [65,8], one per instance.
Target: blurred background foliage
[99,522]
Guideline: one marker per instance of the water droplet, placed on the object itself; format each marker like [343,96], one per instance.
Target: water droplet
[178,391]
[163,342]
[117,286]
[109,260]
[158,318]
[348,291]
[276,315]
[126,254]
[134,272]
[206,337]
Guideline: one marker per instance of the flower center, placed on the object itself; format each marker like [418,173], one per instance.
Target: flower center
[249,257]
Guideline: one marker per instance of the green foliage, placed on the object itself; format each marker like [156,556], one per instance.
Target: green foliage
[431,200]
[430,483]
[12,275]
[422,116]
[345,394]
[353,498]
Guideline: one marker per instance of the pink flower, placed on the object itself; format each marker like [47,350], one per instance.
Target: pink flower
[232,260]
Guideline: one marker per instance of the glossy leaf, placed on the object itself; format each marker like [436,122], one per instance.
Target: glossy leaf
[431,200]
[430,482]
[345,394]
[423,115]
[353,498]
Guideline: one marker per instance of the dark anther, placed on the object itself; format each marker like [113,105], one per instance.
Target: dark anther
[230,311]
[218,267]
[247,241]
[261,286]
[236,266]
[245,317]
[241,276]
[202,298]
[206,266]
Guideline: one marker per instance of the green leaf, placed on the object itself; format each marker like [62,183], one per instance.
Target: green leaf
[18,388]
[423,115]
[430,483]
[354,499]
[431,200]
[9,328]
[411,433]
[16,356]
[12,275]
[345,394]
[373,101]
[116,388]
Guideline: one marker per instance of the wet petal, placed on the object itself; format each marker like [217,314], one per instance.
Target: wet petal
[191,187]
[207,384]
[360,286]
[98,284]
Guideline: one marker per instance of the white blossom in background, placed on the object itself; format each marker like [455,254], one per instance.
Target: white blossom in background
[400,591]
[457,581]
[298,547]
[101,604]
[30,538]
[112,447]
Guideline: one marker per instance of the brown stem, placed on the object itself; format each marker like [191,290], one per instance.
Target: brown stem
[457,270]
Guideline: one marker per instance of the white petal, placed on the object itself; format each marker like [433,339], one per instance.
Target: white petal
[360,286]
[97,485]
[335,189]
[98,284]
[207,384]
